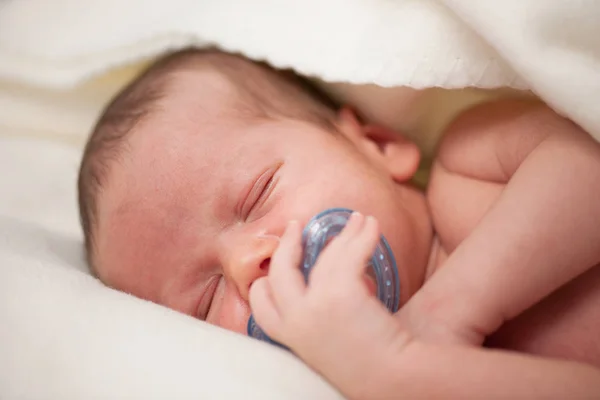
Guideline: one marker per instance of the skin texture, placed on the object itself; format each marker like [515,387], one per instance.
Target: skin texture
[324,327]
[514,201]
[192,214]
[416,352]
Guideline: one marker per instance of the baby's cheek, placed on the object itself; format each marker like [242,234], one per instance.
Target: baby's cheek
[233,313]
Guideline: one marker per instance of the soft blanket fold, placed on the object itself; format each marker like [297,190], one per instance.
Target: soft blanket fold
[550,47]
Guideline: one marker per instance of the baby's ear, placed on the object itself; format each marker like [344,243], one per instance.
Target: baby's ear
[398,155]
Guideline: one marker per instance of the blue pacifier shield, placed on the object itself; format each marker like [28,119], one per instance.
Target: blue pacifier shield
[316,235]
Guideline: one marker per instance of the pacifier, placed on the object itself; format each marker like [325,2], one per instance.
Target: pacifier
[318,232]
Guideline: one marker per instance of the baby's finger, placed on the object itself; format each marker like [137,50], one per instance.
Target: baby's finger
[353,226]
[334,257]
[362,246]
[263,307]
[284,272]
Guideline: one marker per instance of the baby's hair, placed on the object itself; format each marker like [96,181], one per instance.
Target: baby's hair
[262,91]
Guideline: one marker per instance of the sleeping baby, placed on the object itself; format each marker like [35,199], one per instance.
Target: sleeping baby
[199,175]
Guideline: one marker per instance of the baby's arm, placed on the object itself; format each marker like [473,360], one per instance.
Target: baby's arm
[338,328]
[511,245]
[426,371]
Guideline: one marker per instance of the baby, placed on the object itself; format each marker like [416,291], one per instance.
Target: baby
[194,171]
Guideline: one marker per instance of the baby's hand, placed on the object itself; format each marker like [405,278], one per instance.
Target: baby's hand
[421,319]
[334,324]
[438,313]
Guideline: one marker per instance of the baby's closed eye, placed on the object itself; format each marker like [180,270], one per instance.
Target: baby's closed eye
[260,192]
[207,297]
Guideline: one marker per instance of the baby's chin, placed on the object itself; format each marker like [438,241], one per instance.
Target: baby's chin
[410,238]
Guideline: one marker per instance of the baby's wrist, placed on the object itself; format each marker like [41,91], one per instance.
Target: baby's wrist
[450,317]
[377,373]
[383,377]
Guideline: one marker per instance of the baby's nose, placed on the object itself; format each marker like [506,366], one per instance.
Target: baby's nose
[265,264]
[249,262]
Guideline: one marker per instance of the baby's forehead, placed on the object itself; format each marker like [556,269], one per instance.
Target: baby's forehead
[203,91]
[200,128]
[195,109]
[190,136]
[166,171]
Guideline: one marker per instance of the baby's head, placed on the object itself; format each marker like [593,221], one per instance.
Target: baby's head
[194,170]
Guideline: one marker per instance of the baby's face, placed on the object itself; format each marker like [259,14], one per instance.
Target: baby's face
[191,214]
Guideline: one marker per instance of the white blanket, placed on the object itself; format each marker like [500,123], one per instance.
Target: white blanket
[551,47]
[65,336]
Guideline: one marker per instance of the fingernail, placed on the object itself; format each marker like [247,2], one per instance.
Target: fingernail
[268,236]
[355,215]
[263,234]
